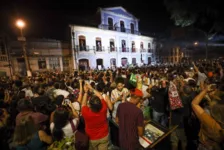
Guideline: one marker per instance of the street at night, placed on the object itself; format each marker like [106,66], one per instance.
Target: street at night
[111,75]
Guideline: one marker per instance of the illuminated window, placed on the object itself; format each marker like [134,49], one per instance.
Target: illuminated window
[110,24]
[82,43]
[98,44]
[54,62]
[122,26]
[42,63]
[65,62]
[124,61]
[112,45]
[113,62]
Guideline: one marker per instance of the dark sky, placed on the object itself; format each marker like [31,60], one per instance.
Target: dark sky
[50,19]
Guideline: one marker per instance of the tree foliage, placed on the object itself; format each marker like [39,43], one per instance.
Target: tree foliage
[202,14]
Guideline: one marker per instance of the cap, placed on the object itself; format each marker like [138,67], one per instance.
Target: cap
[137,92]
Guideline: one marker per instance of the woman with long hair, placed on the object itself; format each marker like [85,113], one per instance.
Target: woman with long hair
[28,136]
[63,121]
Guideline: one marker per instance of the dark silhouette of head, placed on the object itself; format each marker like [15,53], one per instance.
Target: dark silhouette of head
[61,118]
[95,104]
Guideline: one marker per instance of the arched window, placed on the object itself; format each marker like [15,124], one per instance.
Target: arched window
[132,28]
[112,45]
[123,45]
[133,46]
[122,26]
[82,43]
[98,44]
[124,61]
[113,61]
[149,47]
[110,24]
[141,46]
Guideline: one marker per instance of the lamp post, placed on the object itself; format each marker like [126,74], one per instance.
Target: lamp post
[21,24]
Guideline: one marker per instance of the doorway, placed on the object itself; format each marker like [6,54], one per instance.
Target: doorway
[149,60]
[99,63]
[124,61]
[83,64]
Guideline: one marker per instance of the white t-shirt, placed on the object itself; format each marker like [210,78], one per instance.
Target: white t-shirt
[114,95]
[67,129]
[58,92]
[201,78]
[28,92]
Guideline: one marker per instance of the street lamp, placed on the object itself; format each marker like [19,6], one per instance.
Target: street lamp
[195,43]
[21,24]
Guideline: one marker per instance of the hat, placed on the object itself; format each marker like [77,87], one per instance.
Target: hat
[210,74]
[137,92]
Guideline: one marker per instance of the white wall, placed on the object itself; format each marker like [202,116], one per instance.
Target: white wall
[105,35]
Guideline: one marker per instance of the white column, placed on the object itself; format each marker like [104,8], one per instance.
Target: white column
[61,63]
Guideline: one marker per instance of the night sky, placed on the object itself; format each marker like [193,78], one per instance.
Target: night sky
[50,19]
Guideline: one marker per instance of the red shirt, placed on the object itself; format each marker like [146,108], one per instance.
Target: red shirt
[96,125]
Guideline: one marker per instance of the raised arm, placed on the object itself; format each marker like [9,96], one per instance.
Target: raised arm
[80,91]
[98,94]
[84,99]
[195,67]
[111,77]
[109,103]
[196,101]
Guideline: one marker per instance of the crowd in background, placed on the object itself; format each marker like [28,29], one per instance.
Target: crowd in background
[55,109]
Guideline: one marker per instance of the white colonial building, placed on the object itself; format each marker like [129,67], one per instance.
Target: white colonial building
[117,41]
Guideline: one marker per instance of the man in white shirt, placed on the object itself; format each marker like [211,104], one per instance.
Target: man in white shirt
[118,95]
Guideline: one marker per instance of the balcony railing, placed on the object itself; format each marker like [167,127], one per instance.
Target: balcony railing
[119,29]
[82,48]
[124,49]
[98,48]
[111,49]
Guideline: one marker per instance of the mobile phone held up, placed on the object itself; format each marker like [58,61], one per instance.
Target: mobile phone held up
[66,101]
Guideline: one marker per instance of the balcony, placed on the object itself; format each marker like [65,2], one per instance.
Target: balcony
[82,48]
[124,49]
[119,29]
[98,49]
[112,49]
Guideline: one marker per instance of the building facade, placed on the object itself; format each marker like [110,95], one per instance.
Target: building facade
[43,55]
[176,55]
[116,42]
[5,68]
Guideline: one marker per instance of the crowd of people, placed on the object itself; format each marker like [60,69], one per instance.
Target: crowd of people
[59,110]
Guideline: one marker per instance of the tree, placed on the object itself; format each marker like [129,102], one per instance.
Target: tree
[204,16]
